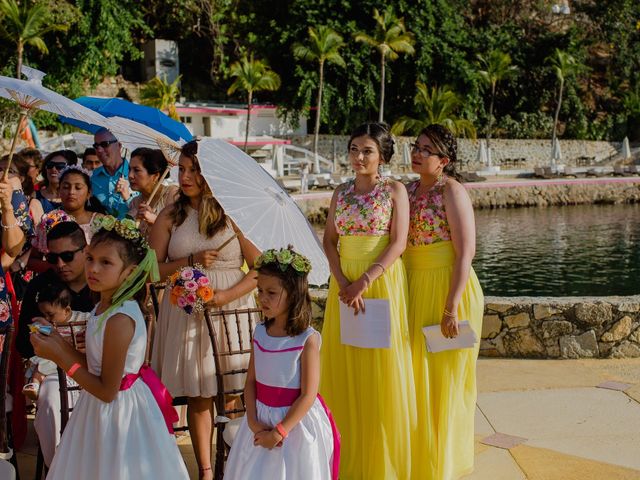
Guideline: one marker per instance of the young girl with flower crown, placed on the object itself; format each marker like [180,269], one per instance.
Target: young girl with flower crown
[121,424]
[288,432]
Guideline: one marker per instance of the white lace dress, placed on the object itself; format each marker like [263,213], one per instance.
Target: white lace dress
[182,352]
[126,439]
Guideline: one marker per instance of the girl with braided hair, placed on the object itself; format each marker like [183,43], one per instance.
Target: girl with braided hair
[443,289]
[121,426]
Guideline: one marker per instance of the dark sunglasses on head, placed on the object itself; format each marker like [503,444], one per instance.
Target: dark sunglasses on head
[66,257]
[104,144]
[57,165]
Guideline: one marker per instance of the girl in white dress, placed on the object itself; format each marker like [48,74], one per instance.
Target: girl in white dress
[288,432]
[121,424]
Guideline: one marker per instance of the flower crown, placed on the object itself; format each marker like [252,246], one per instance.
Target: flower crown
[48,221]
[125,228]
[285,258]
[76,168]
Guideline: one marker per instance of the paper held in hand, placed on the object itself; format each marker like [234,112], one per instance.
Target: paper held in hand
[371,329]
[436,342]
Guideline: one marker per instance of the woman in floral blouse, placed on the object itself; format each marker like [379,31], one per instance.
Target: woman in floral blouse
[443,289]
[369,390]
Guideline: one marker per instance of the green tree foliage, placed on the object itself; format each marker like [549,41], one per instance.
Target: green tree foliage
[323,46]
[251,76]
[565,67]
[437,105]
[390,39]
[162,95]
[25,23]
[497,67]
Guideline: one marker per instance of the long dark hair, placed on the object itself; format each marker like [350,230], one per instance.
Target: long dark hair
[22,166]
[379,133]
[93,204]
[297,288]
[211,216]
[69,156]
[446,146]
[153,160]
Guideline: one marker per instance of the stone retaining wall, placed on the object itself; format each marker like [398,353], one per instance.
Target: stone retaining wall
[540,327]
[536,152]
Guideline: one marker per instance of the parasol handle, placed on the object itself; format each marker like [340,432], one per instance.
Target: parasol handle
[227,242]
[156,188]
[23,115]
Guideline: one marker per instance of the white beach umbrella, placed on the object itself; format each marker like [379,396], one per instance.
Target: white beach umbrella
[261,209]
[483,155]
[556,153]
[626,150]
[406,153]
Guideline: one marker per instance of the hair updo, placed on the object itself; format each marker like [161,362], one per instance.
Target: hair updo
[379,133]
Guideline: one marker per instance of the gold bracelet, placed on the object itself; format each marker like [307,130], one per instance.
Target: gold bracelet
[447,313]
[366,275]
[379,265]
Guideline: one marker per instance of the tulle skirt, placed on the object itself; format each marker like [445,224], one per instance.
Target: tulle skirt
[445,382]
[370,391]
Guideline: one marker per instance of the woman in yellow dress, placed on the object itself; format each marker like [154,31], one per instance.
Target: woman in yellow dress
[443,289]
[369,390]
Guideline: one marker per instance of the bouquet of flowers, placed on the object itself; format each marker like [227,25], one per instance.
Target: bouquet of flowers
[190,289]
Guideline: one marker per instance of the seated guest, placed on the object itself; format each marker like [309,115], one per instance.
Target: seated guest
[90,159]
[65,242]
[54,163]
[109,182]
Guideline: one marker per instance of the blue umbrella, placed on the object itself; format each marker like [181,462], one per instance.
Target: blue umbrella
[117,107]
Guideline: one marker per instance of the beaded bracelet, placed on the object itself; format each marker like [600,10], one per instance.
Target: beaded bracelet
[366,275]
[9,227]
[379,265]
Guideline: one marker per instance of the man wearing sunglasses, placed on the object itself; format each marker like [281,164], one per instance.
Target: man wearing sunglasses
[65,243]
[109,182]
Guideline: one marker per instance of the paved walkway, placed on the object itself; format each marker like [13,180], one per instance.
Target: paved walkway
[550,417]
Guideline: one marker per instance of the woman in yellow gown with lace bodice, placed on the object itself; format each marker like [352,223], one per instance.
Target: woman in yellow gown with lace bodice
[369,390]
[443,289]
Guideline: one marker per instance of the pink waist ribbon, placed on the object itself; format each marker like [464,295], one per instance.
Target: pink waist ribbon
[159,391]
[278,397]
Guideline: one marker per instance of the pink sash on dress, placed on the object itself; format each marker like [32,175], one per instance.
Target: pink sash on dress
[159,391]
[279,397]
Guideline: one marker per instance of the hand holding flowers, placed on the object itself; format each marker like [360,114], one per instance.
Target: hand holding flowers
[190,289]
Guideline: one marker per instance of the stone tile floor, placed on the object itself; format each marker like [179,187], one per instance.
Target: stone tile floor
[574,430]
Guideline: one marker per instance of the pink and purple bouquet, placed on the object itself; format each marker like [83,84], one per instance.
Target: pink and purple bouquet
[190,289]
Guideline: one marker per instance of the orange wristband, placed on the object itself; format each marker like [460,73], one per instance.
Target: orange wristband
[73,369]
[281,431]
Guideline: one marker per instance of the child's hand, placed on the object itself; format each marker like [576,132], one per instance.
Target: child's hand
[52,347]
[268,440]
[256,427]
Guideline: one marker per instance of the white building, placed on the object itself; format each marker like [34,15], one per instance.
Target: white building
[230,123]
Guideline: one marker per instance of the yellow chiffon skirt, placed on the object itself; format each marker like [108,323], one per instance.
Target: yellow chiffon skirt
[445,382]
[370,391]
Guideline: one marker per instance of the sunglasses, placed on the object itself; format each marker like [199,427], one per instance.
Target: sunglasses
[57,165]
[104,144]
[66,257]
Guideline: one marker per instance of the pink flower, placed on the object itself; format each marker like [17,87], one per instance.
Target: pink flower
[186,274]
[191,285]
[203,281]
[191,298]
[182,302]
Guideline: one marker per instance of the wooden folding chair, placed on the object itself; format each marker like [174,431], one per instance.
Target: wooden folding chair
[231,342]
[65,389]
[6,439]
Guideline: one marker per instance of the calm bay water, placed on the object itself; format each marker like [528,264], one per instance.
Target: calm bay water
[559,251]
[583,250]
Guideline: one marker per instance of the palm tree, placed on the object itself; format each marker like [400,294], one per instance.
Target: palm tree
[564,65]
[24,23]
[390,39]
[252,76]
[440,105]
[497,67]
[161,94]
[324,44]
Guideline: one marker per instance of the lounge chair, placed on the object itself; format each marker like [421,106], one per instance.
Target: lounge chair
[618,171]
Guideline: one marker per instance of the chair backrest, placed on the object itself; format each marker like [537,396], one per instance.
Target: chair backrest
[77,340]
[231,333]
[155,292]
[5,350]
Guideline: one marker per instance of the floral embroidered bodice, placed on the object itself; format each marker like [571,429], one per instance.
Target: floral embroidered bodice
[428,219]
[367,213]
